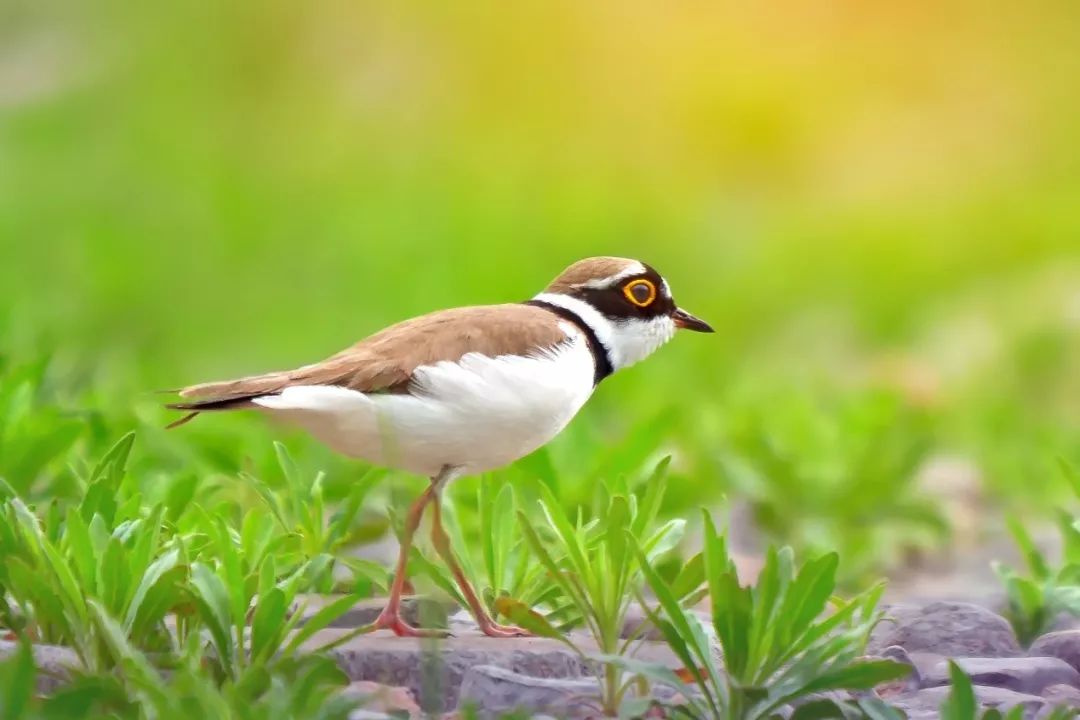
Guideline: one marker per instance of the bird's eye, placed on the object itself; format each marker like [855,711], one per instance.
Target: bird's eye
[640,292]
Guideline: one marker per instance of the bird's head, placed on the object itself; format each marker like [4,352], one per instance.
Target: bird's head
[625,302]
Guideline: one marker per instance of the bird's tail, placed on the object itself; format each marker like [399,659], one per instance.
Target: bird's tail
[226,395]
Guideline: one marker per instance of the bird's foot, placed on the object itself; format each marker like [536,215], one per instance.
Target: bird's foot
[494,629]
[393,622]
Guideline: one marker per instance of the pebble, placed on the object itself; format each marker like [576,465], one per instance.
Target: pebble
[951,629]
[1064,645]
[1030,675]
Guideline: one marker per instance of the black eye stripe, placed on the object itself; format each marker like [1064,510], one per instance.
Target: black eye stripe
[616,303]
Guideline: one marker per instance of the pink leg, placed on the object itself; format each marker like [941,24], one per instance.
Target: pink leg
[441,540]
[390,618]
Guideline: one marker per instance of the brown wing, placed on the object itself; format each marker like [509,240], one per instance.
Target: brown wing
[385,361]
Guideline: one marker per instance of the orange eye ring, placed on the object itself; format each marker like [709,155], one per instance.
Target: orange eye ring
[632,291]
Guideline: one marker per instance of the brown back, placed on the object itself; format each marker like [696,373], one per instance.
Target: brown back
[385,361]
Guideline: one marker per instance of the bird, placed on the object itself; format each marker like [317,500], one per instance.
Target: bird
[466,390]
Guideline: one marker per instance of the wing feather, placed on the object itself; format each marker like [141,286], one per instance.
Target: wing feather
[385,361]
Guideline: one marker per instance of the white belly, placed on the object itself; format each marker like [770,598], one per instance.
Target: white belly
[477,414]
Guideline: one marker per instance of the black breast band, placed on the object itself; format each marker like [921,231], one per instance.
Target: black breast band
[601,359]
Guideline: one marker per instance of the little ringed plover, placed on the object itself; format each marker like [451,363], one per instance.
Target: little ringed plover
[466,390]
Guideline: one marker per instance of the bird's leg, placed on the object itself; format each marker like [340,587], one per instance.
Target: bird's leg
[390,617]
[441,541]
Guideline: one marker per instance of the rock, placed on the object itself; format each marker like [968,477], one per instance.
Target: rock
[946,628]
[462,622]
[494,690]
[1029,675]
[433,670]
[369,715]
[1062,695]
[635,618]
[54,663]
[925,664]
[1064,645]
[925,704]
[417,610]
[378,698]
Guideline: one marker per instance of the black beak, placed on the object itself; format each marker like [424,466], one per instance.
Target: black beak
[686,321]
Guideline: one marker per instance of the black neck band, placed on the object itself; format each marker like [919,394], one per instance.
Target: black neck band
[601,359]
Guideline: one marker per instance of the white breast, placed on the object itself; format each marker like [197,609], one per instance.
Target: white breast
[479,413]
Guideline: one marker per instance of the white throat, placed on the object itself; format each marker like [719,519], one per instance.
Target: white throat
[626,341]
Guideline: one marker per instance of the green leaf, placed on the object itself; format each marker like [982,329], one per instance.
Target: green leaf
[566,532]
[731,604]
[861,675]
[293,480]
[71,594]
[554,572]
[86,697]
[809,594]
[320,620]
[99,501]
[525,617]
[153,575]
[437,573]
[163,597]
[266,624]
[111,467]
[122,651]
[875,708]
[617,523]
[229,557]
[960,704]
[17,675]
[690,578]
[666,538]
[662,674]
[817,710]
[268,497]
[78,544]
[113,580]
[342,522]
[39,451]
[1036,563]
[680,631]
[1071,474]
[146,547]
[501,536]
[181,493]
[212,599]
[655,486]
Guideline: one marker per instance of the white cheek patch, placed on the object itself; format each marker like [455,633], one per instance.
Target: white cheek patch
[626,341]
[635,340]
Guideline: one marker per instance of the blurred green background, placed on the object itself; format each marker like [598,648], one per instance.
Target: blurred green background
[877,205]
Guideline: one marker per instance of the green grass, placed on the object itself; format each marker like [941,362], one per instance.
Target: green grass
[190,193]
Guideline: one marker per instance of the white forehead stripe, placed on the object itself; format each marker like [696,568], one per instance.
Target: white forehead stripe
[634,268]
